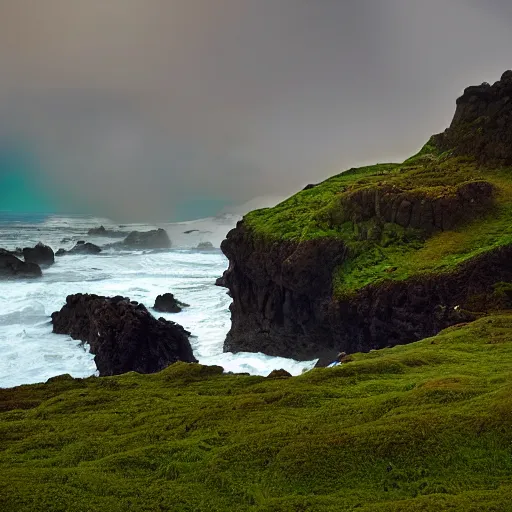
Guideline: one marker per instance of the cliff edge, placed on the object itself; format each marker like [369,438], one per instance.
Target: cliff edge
[382,255]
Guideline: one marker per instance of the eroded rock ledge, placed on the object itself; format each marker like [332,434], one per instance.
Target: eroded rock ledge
[283,303]
[430,209]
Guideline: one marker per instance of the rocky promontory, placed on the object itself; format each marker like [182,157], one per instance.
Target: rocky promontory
[482,125]
[382,255]
[122,334]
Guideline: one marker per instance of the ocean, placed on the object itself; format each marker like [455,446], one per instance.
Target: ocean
[30,352]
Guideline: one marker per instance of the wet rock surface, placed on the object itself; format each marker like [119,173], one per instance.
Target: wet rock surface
[41,254]
[167,303]
[13,267]
[81,247]
[155,239]
[205,246]
[102,231]
[122,334]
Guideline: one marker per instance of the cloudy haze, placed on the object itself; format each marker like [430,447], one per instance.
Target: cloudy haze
[166,109]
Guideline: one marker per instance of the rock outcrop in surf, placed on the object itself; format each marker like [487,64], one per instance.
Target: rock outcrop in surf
[122,334]
[41,254]
[154,239]
[81,247]
[13,267]
[167,303]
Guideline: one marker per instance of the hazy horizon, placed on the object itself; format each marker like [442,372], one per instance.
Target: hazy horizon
[174,109]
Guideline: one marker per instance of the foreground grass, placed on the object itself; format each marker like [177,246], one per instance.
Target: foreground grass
[398,254]
[427,426]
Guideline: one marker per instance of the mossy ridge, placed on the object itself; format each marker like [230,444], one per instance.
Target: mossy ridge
[389,251]
[425,426]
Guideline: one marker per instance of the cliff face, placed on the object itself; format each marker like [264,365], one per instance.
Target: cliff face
[381,256]
[283,303]
[482,125]
[281,294]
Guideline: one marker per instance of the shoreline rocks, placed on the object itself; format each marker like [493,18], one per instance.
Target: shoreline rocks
[205,246]
[41,254]
[122,334]
[102,231]
[154,239]
[13,267]
[81,247]
[167,303]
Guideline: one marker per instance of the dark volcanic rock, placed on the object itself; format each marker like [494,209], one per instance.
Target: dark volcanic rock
[41,254]
[11,266]
[167,303]
[482,125]
[283,303]
[123,335]
[205,246]
[81,247]
[18,252]
[280,294]
[155,239]
[102,231]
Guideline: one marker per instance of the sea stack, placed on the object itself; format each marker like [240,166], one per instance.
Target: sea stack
[122,334]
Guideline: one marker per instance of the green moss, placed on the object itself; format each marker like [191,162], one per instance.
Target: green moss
[426,426]
[389,252]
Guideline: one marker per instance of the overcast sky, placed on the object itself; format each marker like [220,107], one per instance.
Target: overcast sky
[163,109]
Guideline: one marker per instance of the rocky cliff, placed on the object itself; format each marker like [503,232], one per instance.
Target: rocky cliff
[383,255]
[482,125]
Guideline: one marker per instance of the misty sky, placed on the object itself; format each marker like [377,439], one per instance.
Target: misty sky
[166,109]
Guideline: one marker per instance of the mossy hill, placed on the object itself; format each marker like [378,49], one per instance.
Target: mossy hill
[380,250]
[422,427]
[405,232]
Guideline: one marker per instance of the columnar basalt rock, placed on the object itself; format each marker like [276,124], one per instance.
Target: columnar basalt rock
[286,309]
[281,294]
[417,209]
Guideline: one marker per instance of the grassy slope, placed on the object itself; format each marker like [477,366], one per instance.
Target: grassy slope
[427,426]
[306,215]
